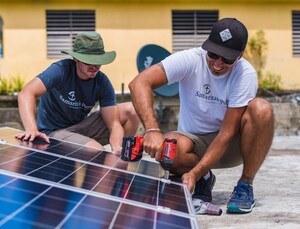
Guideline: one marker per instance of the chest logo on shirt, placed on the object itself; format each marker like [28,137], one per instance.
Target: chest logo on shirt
[206,88]
[205,94]
[73,104]
[71,96]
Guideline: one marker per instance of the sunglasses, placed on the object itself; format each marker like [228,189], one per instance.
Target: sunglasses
[91,64]
[215,57]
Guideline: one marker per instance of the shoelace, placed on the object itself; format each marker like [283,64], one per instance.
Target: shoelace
[241,190]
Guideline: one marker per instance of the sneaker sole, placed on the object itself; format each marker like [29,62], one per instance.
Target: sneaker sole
[233,208]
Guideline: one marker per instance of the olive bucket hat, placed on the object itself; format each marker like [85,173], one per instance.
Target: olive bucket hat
[89,48]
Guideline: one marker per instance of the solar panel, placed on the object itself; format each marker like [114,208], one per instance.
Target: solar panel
[67,185]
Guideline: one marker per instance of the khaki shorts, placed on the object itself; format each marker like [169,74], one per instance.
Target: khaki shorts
[232,156]
[91,128]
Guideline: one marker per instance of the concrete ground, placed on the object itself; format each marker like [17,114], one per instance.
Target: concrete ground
[276,191]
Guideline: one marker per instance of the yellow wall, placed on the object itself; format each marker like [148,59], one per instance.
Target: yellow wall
[125,28]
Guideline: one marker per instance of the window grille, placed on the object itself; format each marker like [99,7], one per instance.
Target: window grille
[191,27]
[296,32]
[63,26]
[1,38]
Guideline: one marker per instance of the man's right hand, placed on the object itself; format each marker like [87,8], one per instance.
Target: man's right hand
[153,143]
[31,135]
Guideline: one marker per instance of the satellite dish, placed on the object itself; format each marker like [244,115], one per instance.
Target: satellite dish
[152,54]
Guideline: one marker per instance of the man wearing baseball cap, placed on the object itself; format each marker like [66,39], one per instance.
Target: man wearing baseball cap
[221,122]
[68,91]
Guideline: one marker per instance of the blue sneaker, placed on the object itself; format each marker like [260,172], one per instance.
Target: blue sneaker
[241,200]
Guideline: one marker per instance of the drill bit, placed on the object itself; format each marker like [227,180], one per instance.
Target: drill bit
[167,173]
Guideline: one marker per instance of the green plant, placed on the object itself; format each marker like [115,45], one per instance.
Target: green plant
[255,53]
[4,86]
[270,81]
[9,86]
[17,84]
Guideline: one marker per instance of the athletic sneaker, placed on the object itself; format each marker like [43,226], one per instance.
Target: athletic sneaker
[241,200]
[204,187]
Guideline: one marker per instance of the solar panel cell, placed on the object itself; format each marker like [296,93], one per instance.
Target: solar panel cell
[4,179]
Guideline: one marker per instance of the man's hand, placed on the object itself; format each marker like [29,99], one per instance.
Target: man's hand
[190,180]
[39,146]
[116,149]
[31,135]
[153,143]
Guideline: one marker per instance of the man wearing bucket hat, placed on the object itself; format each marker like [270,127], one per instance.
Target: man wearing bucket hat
[68,91]
[221,123]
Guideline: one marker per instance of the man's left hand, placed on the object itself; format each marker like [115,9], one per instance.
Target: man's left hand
[190,180]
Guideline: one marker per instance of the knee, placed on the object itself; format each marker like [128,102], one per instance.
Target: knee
[131,111]
[260,109]
[127,111]
[184,144]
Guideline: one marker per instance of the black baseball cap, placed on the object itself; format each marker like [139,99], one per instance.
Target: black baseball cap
[228,38]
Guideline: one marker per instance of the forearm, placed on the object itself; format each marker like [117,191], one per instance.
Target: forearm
[212,155]
[27,105]
[116,137]
[142,99]
[230,127]
[141,89]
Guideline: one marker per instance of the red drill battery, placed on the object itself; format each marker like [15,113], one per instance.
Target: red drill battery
[132,148]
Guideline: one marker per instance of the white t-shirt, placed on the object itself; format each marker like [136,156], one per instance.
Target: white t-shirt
[204,98]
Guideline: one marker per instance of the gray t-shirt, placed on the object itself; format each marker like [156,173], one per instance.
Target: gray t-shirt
[68,98]
[204,98]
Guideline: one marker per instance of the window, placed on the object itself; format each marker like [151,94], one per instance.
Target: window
[191,27]
[1,38]
[296,32]
[63,26]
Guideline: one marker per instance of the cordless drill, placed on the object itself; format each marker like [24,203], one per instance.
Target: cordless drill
[168,155]
[132,150]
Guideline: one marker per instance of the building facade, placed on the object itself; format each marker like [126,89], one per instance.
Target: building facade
[33,32]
